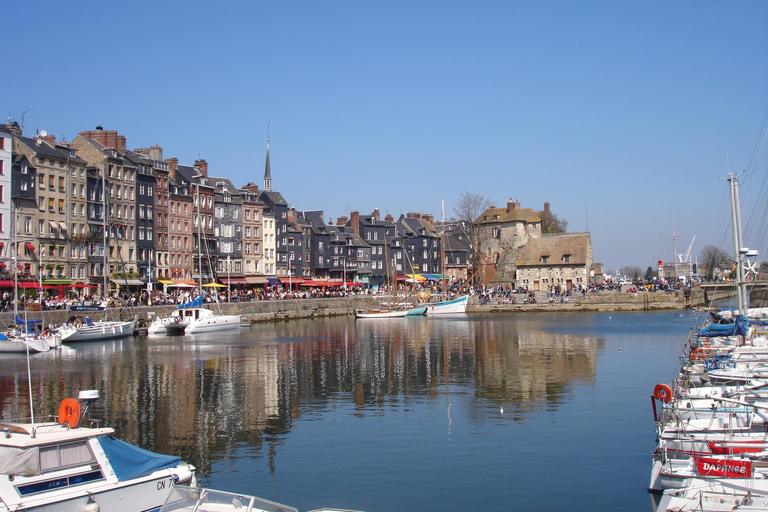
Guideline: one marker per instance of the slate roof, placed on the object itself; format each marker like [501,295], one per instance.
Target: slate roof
[494,215]
[48,151]
[577,245]
[273,198]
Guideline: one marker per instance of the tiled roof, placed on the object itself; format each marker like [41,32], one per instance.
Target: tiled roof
[555,246]
[493,215]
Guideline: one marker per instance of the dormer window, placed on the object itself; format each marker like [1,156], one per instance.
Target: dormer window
[566,258]
[545,259]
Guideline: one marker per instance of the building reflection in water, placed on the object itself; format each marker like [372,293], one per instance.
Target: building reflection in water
[202,398]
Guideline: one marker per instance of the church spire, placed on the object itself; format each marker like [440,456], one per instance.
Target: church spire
[267,174]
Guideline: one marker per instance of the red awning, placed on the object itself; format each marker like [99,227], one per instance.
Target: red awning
[292,280]
[317,283]
[29,246]
[29,284]
[6,283]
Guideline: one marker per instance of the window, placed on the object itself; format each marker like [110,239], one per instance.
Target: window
[566,258]
[545,259]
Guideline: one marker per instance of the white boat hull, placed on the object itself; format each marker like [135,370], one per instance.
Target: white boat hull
[448,307]
[213,323]
[99,331]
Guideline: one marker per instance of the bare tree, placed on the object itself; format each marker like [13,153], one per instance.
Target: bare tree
[468,209]
[551,223]
[632,273]
[711,257]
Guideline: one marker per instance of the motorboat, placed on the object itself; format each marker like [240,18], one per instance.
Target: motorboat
[83,328]
[71,463]
[202,320]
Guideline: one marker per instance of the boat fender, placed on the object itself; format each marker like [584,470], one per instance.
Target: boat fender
[182,474]
[69,412]
[91,505]
[663,392]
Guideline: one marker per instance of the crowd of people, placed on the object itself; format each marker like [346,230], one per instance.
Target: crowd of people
[485,294]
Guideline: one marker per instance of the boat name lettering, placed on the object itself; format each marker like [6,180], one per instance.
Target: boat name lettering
[734,469]
[162,484]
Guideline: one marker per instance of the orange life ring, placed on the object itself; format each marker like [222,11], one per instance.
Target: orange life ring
[69,412]
[663,392]
[702,352]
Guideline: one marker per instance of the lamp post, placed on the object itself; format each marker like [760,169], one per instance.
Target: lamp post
[229,267]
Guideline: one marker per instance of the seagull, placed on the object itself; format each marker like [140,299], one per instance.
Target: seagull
[501,410]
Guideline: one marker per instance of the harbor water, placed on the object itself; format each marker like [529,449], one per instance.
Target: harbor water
[496,412]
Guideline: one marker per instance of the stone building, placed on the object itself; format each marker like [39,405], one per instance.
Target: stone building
[563,260]
[502,234]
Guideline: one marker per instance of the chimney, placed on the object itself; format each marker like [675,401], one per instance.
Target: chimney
[376,214]
[429,218]
[107,138]
[251,187]
[342,221]
[413,215]
[354,221]
[202,165]
[510,205]
[50,139]
[546,206]
[14,128]
[153,153]
[173,164]
[389,218]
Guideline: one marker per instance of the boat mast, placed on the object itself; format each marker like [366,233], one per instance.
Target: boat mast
[736,218]
[104,234]
[15,263]
[442,248]
[199,244]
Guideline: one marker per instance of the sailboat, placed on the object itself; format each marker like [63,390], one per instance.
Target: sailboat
[192,317]
[391,310]
[83,328]
[23,339]
[457,305]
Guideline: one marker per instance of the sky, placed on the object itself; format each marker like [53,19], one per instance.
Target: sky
[622,115]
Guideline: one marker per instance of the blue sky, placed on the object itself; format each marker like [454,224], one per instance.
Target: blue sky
[620,114]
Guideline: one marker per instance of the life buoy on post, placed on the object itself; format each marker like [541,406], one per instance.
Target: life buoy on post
[69,412]
[177,319]
[663,392]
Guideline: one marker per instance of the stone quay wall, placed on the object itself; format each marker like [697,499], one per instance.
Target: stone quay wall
[279,310]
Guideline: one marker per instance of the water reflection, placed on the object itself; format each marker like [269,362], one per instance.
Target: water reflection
[203,397]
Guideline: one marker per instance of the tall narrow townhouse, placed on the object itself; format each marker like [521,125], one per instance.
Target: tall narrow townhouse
[6,165]
[104,149]
[60,171]
[180,230]
[205,256]
[25,213]
[161,201]
[228,228]
[145,215]
[253,232]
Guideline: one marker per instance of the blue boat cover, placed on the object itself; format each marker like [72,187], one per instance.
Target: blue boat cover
[129,461]
[197,303]
[738,328]
[21,321]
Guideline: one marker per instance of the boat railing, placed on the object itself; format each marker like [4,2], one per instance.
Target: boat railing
[198,499]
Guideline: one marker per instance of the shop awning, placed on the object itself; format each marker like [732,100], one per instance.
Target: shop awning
[28,284]
[234,280]
[214,285]
[416,277]
[317,283]
[128,282]
[166,281]
[29,246]
[292,280]
[256,280]
[6,283]
[273,281]
[57,281]
[63,226]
